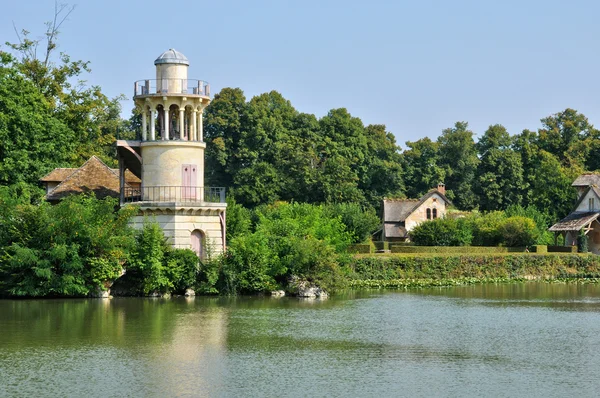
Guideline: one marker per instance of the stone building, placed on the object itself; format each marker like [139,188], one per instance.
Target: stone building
[584,216]
[169,159]
[402,215]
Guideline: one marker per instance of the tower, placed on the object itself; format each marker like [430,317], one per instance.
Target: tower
[169,159]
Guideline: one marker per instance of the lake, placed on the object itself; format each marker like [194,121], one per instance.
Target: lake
[529,339]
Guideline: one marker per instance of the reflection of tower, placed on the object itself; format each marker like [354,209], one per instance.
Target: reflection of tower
[169,159]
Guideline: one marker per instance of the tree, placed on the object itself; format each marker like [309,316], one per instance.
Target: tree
[458,157]
[92,116]
[421,167]
[499,181]
[34,140]
[383,174]
[551,187]
[561,134]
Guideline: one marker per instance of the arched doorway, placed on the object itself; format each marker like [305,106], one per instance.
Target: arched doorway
[198,243]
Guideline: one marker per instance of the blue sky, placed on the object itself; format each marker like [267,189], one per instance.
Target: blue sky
[415,66]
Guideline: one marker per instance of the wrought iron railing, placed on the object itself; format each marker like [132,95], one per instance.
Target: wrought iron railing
[174,194]
[171,86]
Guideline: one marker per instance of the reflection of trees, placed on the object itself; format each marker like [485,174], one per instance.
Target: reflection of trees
[558,295]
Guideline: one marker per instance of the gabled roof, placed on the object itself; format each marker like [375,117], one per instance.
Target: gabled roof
[586,180]
[395,210]
[58,174]
[575,221]
[584,194]
[94,176]
[61,173]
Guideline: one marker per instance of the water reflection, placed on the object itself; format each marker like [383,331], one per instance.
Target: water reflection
[532,339]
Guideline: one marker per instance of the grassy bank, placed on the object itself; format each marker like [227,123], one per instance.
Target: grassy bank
[417,270]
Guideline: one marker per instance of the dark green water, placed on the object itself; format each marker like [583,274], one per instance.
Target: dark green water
[528,340]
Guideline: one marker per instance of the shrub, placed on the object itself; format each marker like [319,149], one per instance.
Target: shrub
[442,232]
[359,222]
[518,231]
[74,248]
[181,268]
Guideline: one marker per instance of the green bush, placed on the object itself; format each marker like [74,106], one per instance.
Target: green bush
[442,232]
[74,248]
[181,268]
[518,231]
[359,222]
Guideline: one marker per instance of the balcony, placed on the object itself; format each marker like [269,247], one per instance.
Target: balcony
[173,194]
[171,87]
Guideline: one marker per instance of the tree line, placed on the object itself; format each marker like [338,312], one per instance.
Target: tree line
[264,150]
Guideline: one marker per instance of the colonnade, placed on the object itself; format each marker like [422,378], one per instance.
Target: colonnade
[190,124]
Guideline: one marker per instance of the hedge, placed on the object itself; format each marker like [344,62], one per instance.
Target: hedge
[359,248]
[382,245]
[562,249]
[456,249]
[549,266]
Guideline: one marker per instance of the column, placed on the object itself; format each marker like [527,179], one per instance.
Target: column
[181,124]
[144,124]
[193,134]
[152,124]
[166,121]
[201,116]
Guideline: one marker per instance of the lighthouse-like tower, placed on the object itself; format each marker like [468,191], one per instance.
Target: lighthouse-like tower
[169,159]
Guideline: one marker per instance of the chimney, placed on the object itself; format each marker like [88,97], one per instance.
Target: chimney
[441,188]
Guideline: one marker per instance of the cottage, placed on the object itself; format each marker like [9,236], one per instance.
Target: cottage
[93,176]
[402,215]
[584,216]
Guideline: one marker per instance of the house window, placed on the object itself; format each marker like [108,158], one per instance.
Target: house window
[591,203]
[429,214]
[434,213]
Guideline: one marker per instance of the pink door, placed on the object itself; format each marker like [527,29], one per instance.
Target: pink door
[198,242]
[189,176]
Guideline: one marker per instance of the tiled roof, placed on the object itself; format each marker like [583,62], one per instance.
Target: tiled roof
[585,180]
[129,176]
[58,175]
[93,176]
[395,210]
[395,230]
[575,221]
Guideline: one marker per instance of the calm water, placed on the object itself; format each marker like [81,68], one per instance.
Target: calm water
[507,340]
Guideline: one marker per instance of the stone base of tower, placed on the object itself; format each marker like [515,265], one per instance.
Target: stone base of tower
[200,228]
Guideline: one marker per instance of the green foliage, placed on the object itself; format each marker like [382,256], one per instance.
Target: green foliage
[442,232]
[359,222]
[147,264]
[582,242]
[182,268]
[479,266]
[304,240]
[518,231]
[74,248]
[238,219]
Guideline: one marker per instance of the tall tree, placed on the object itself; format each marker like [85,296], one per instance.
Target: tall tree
[34,140]
[560,134]
[421,167]
[500,173]
[93,116]
[458,157]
